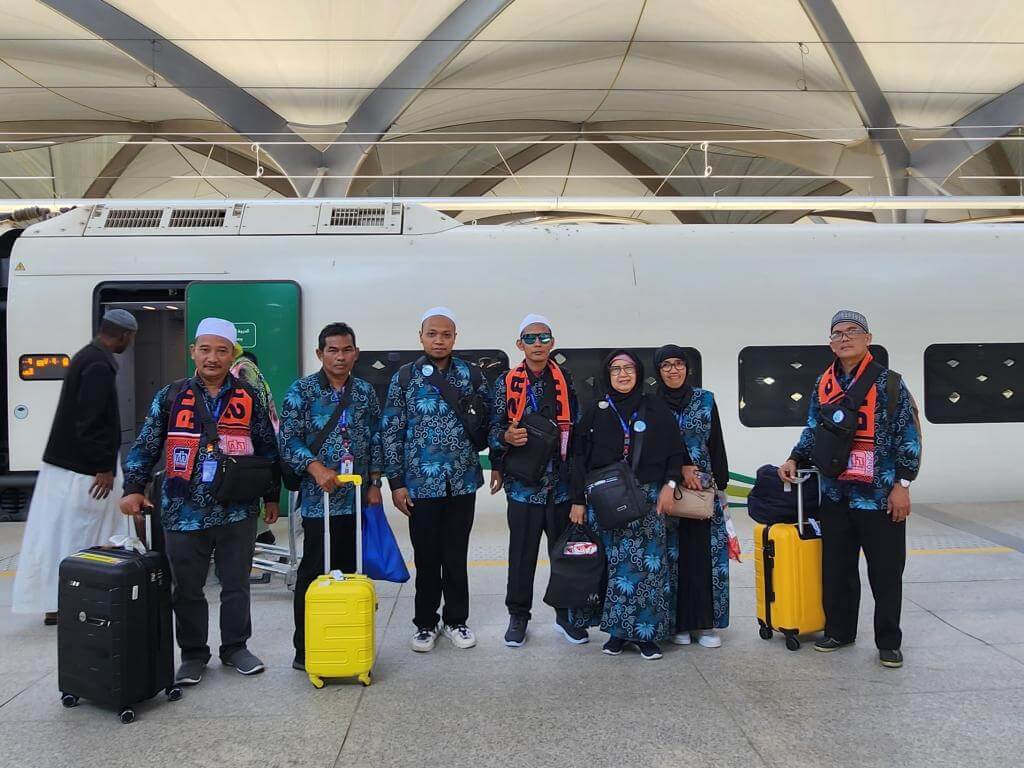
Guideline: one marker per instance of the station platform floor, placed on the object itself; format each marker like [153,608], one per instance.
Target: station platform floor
[958,701]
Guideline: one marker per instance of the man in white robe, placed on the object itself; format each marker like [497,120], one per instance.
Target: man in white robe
[72,507]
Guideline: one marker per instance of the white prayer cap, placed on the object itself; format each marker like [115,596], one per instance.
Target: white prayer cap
[530,319]
[439,312]
[215,326]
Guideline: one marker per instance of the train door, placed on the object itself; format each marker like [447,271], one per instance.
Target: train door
[157,356]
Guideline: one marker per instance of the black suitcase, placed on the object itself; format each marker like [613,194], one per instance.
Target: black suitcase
[115,644]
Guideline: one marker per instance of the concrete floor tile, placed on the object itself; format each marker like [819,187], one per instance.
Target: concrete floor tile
[991,626]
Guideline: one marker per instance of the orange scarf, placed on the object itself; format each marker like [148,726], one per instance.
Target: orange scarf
[861,468]
[517,383]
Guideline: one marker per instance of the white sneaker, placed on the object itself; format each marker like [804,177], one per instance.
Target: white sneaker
[462,637]
[682,638]
[709,638]
[424,640]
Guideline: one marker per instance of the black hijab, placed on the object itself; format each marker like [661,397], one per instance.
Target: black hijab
[625,402]
[677,399]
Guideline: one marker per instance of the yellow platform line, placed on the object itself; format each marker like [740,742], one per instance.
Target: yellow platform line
[948,551]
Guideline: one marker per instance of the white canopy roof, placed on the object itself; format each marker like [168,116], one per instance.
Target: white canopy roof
[794,97]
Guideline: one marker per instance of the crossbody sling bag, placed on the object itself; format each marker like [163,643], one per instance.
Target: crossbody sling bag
[237,478]
[613,491]
[839,421]
[470,410]
[293,480]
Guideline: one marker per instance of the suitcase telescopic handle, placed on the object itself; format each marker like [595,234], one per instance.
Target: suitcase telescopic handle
[802,476]
[356,481]
[129,529]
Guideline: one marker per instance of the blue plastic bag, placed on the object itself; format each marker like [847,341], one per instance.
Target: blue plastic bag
[382,559]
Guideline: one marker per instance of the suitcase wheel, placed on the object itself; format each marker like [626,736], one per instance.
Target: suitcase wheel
[765,632]
[68,700]
[173,693]
[792,643]
[365,679]
[318,682]
[127,716]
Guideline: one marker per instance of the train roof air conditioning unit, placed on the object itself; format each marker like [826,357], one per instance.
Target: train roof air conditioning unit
[355,219]
[140,219]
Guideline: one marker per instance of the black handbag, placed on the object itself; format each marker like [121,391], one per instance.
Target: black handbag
[614,492]
[578,571]
[471,410]
[237,478]
[293,480]
[529,462]
[837,425]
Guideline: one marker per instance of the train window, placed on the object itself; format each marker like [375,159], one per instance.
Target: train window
[584,364]
[775,382]
[43,367]
[377,367]
[974,383]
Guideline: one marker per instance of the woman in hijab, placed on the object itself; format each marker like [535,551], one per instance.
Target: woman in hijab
[637,605]
[702,589]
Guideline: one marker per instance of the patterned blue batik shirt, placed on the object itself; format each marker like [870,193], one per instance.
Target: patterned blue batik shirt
[897,447]
[309,403]
[198,510]
[425,445]
[557,474]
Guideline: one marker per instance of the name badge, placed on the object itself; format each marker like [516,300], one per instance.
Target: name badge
[209,470]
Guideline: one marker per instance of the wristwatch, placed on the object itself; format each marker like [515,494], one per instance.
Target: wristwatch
[376,482]
[904,482]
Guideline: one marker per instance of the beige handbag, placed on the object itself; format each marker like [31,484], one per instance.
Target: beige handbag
[693,505]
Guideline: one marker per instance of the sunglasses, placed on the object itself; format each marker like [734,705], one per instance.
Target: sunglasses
[533,338]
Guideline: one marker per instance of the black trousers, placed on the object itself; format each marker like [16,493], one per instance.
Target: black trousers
[844,532]
[189,554]
[526,523]
[439,529]
[695,607]
[343,557]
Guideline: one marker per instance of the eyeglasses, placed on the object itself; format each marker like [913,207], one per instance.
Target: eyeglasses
[622,370]
[853,333]
[673,366]
[533,338]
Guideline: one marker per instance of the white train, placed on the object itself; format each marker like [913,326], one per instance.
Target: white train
[752,301]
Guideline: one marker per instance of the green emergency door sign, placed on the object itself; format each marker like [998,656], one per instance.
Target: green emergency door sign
[267,318]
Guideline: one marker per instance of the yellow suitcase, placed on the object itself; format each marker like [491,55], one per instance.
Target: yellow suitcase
[787,577]
[340,612]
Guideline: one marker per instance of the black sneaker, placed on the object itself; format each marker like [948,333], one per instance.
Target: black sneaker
[575,635]
[614,646]
[299,663]
[892,658]
[829,644]
[190,672]
[515,635]
[649,650]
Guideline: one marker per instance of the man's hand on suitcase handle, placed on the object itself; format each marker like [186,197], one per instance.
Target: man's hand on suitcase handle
[134,503]
[787,471]
[326,479]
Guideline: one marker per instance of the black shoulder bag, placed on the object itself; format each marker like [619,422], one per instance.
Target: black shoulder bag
[293,480]
[837,425]
[471,409]
[238,479]
[529,462]
[614,491]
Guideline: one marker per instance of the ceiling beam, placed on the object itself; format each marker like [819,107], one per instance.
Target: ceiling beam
[868,98]
[246,114]
[637,167]
[379,111]
[115,168]
[938,160]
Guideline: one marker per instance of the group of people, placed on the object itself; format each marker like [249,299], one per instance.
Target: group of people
[667,577]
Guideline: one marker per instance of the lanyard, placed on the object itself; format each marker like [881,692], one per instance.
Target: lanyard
[533,398]
[626,428]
